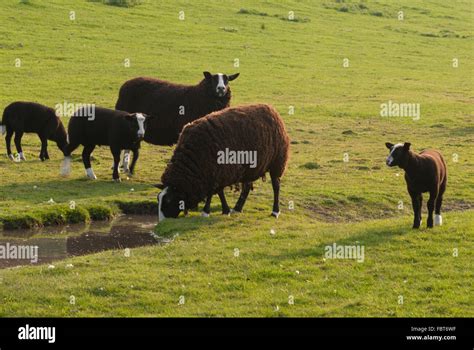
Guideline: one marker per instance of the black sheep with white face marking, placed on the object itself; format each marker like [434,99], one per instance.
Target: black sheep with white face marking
[424,172]
[174,105]
[117,129]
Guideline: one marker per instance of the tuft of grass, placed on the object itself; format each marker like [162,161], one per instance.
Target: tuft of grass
[310,165]
[21,221]
[100,212]
[120,3]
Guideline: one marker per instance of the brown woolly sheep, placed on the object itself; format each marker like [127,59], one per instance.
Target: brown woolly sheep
[173,105]
[235,145]
[424,172]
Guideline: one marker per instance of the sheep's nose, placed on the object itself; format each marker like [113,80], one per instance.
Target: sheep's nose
[140,135]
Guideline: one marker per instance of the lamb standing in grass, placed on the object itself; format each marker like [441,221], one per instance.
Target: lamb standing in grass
[119,130]
[25,117]
[424,172]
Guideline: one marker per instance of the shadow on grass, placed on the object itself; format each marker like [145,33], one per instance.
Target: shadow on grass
[184,225]
[370,237]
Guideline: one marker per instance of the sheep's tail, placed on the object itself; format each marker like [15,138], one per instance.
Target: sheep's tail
[3,123]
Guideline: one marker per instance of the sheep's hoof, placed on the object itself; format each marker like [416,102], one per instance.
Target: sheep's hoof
[226,212]
[118,180]
[11,157]
[205,215]
[275,214]
[22,157]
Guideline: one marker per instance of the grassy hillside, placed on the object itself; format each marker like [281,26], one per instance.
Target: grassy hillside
[291,64]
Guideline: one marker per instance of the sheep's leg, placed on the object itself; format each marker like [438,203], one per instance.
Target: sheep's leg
[86,159]
[276,195]
[207,207]
[18,136]
[44,148]
[243,197]
[431,202]
[225,206]
[126,160]
[136,154]
[416,204]
[438,219]
[116,153]
[8,142]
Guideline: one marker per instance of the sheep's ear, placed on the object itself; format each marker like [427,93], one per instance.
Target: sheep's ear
[160,186]
[207,75]
[406,146]
[388,145]
[233,76]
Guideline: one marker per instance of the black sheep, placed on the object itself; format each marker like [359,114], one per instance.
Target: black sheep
[24,117]
[117,129]
[424,172]
[235,145]
[173,105]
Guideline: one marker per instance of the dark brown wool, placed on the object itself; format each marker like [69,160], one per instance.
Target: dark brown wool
[165,100]
[194,169]
[25,117]
[424,172]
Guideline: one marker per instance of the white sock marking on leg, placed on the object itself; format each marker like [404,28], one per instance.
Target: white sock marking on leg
[66,166]
[90,174]
[161,216]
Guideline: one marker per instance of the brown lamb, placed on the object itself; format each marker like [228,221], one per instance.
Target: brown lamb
[424,172]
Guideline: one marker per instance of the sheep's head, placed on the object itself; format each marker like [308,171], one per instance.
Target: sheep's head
[138,123]
[398,154]
[170,202]
[219,83]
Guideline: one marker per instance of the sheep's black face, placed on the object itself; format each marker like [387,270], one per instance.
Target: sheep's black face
[398,154]
[170,203]
[219,83]
[61,138]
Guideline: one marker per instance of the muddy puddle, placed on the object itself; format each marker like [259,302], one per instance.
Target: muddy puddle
[45,245]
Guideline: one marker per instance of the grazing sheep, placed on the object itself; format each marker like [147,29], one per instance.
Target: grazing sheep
[173,105]
[424,172]
[235,145]
[21,117]
[117,129]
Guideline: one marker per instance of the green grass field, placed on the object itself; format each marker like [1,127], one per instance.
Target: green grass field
[334,65]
